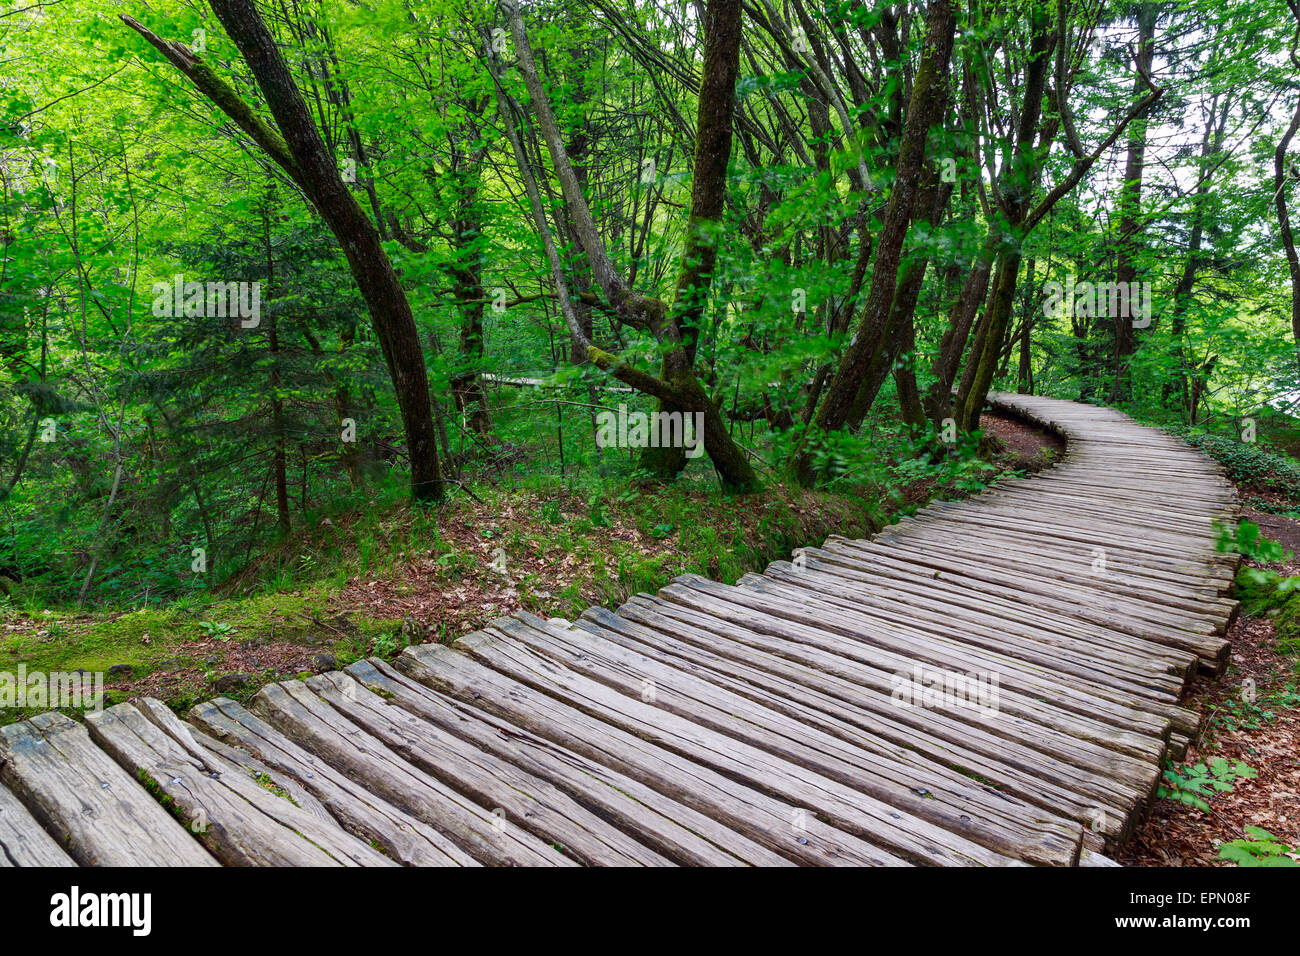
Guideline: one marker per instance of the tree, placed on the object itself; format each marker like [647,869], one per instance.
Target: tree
[676,387]
[299,150]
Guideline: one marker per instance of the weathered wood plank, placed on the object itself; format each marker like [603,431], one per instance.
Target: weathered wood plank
[294,710]
[857,683]
[872,820]
[860,760]
[1025,692]
[1163,672]
[1150,714]
[1095,668]
[1211,650]
[399,835]
[789,829]
[242,821]
[809,695]
[94,809]
[672,828]
[521,798]
[23,842]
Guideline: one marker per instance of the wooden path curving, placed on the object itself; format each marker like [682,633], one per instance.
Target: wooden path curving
[795,718]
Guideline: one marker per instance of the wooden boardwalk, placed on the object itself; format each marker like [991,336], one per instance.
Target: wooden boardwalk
[795,718]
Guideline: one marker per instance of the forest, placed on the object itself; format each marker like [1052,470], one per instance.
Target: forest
[330,326]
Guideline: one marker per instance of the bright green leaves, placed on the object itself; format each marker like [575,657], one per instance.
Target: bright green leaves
[1194,785]
[1259,848]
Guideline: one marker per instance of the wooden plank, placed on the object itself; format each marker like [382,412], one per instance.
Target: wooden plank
[931,605]
[788,829]
[878,823]
[1092,668]
[92,808]
[923,735]
[254,768]
[1018,714]
[397,834]
[22,840]
[858,759]
[1211,651]
[1124,613]
[242,821]
[1062,758]
[1006,547]
[1143,711]
[1006,609]
[674,829]
[1085,528]
[525,800]
[1024,692]
[294,710]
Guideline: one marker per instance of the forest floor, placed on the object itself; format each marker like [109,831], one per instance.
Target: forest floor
[1253,716]
[367,583]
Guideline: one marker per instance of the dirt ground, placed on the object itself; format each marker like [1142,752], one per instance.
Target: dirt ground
[1028,445]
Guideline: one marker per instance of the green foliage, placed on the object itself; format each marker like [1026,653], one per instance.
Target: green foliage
[1287,628]
[1195,784]
[1259,589]
[1246,539]
[1259,848]
[221,631]
[1250,464]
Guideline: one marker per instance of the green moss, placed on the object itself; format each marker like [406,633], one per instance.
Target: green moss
[265,781]
[155,789]
[1287,626]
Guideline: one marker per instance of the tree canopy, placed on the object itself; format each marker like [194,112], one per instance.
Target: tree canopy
[264,258]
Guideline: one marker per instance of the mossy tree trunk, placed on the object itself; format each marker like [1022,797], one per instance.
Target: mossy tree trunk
[299,150]
[677,329]
[870,337]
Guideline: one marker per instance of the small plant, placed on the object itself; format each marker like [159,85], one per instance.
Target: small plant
[1236,714]
[220,631]
[1194,784]
[662,530]
[596,511]
[1246,539]
[1259,848]
[389,643]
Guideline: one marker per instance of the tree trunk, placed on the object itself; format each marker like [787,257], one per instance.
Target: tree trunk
[279,457]
[1024,370]
[1130,202]
[1281,179]
[1020,180]
[960,319]
[924,109]
[299,150]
